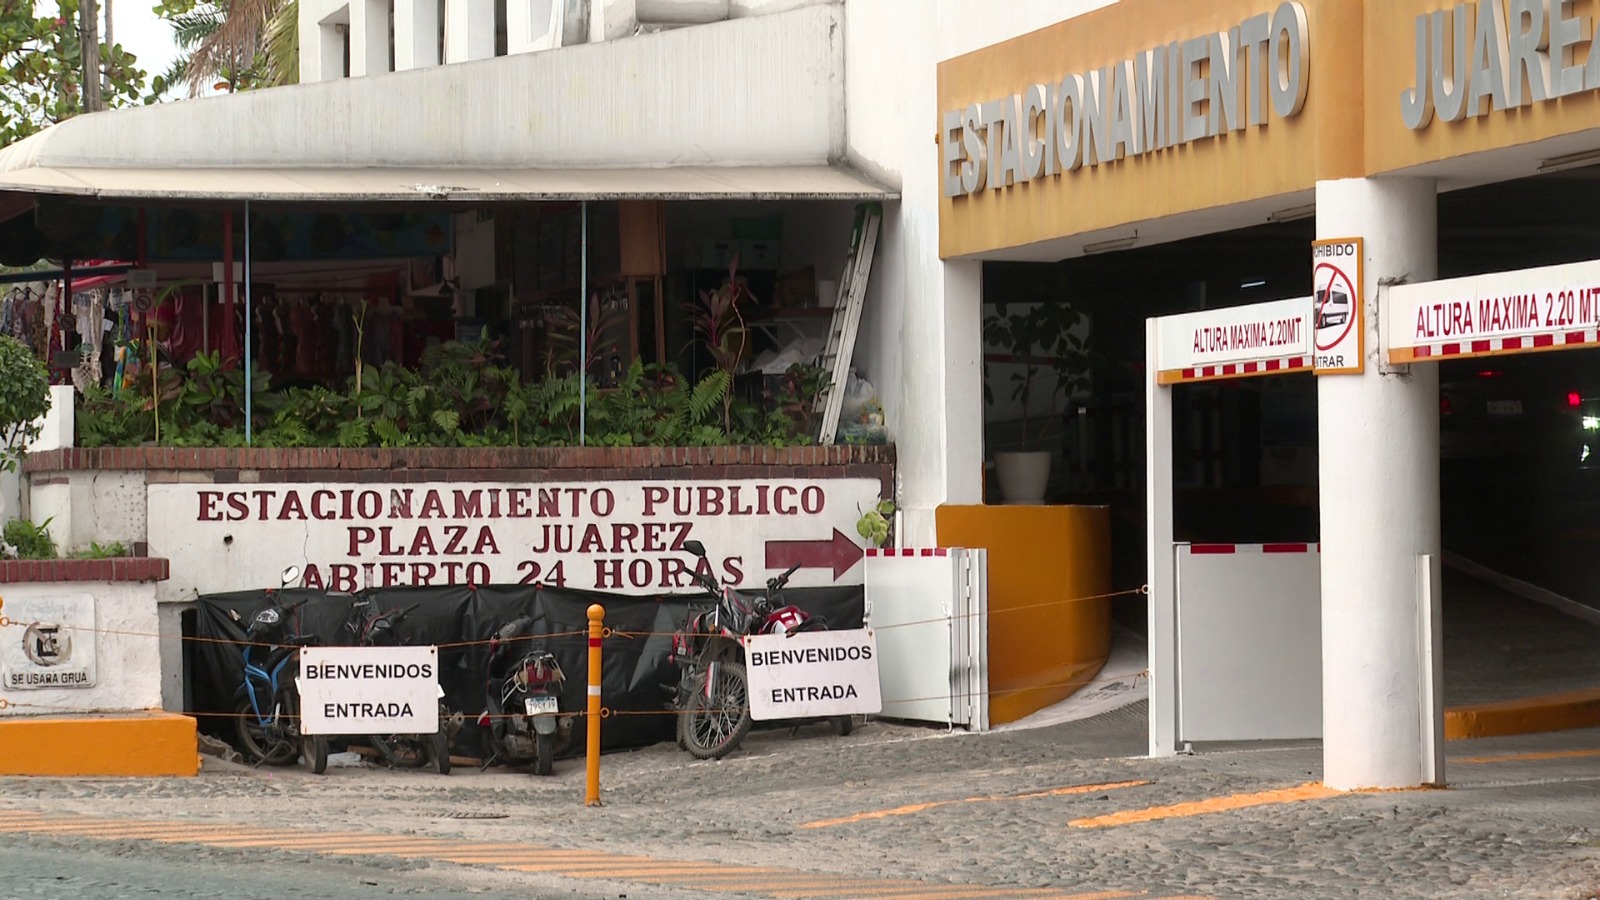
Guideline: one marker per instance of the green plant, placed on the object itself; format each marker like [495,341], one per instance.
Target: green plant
[875,524]
[1044,341]
[98,550]
[24,400]
[720,325]
[30,541]
[802,386]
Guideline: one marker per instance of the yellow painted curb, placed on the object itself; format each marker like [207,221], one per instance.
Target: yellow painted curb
[1528,715]
[135,744]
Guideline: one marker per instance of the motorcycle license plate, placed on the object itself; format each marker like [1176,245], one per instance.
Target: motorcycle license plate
[537,705]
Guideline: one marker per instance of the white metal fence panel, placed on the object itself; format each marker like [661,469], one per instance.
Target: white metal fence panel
[927,608]
[1249,641]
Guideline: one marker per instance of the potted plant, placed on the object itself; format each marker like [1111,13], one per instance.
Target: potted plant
[1052,363]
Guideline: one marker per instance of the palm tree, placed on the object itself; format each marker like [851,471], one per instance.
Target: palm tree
[234,45]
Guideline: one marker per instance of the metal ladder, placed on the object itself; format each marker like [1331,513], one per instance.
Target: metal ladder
[836,356]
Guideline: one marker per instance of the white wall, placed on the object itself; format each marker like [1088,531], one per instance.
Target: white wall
[919,302]
[764,90]
[84,507]
[127,651]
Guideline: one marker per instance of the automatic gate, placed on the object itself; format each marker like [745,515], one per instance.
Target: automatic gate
[1235,630]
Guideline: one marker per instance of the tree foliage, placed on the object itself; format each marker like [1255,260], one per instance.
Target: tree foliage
[233,45]
[24,399]
[41,69]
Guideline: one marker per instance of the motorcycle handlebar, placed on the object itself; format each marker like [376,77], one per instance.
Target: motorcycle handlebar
[777,583]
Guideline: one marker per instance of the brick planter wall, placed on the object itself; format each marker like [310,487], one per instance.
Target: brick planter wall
[519,464]
[125,568]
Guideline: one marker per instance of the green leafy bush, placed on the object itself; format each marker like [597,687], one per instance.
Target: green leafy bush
[24,399]
[461,396]
[29,540]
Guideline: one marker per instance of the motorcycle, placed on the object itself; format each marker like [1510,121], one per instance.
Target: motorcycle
[522,687]
[712,697]
[268,709]
[407,751]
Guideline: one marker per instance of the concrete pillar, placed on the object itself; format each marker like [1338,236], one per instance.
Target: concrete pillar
[1378,447]
[468,30]
[416,34]
[369,37]
[324,29]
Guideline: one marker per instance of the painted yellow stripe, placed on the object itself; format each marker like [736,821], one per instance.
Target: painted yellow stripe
[919,890]
[571,863]
[932,804]
[648,873]
[231,837]
[480,848]
[598,859]
[300,842]
[1308,791]
[1527,757]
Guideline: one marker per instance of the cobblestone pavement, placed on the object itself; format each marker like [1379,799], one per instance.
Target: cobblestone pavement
[889,811]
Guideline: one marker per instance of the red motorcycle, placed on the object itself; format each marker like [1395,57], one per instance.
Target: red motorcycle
[712,697]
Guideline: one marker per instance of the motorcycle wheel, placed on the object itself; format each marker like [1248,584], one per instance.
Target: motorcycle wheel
[439,752]
[402,751]
[256,740]
[714,727]
[314,752]
[544,762]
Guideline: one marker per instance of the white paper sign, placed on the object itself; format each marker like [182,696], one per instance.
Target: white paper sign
[812,674]
[50,643]
[369,690]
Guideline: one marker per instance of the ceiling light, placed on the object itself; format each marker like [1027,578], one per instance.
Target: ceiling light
[1570,161]
[1253,283]
[1293,214]
[1111,245]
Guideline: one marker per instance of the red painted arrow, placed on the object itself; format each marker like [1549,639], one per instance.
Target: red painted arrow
[839,553]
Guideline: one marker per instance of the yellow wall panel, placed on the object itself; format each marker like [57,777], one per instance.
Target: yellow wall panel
[1044,641]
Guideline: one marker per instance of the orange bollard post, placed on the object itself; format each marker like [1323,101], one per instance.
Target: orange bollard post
[597,616]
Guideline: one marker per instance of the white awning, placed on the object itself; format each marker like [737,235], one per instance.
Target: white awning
[418,184]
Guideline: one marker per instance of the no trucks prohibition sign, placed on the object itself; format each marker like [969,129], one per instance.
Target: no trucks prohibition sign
[1337,306]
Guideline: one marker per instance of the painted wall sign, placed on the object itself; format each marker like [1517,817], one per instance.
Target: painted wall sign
[624,536]
[813,673]
[1166,96]
[369,690]
[1235,341]
[1547,308]
[1338,306]
[1472,58]
[50,643]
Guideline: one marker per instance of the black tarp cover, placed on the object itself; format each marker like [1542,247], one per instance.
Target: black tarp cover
[461,619]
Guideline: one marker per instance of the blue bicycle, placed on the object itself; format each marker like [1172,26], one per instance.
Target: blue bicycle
[268,708]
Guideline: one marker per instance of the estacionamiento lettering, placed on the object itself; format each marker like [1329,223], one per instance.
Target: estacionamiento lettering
[1164,97]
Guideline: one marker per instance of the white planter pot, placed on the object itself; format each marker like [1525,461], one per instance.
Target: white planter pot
[682,12]
[1023,476]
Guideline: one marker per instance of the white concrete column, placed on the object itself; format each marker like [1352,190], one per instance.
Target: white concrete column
[416,34]
[468,30]
[369,37]
[1378,447]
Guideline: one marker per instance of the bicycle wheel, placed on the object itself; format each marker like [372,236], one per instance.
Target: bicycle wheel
[260,740]
[714,726]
